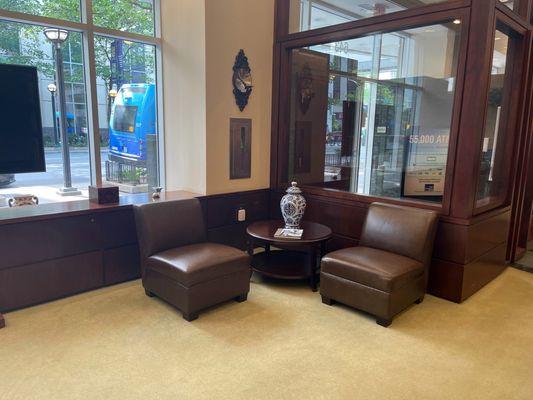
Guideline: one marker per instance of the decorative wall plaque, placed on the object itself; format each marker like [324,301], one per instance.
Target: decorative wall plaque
[242,80]
[240,148]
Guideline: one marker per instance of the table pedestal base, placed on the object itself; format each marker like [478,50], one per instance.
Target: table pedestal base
[284,264]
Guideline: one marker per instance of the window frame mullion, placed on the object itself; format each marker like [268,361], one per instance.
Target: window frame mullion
[91,92]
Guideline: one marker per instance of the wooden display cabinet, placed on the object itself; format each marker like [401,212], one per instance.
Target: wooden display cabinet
[475,239]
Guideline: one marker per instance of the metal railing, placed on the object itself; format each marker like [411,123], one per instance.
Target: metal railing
[336,160]
[125,173]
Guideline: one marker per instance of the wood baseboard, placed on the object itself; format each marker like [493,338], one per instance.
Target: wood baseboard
[2,322]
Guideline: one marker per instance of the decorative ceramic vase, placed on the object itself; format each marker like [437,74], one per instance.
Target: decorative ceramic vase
[293,206]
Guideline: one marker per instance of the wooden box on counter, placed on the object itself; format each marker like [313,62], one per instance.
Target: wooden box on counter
[103,194]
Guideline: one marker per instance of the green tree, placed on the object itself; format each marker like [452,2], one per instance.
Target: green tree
[128,15]
[125,15]
[23,43]
[17,41]
[25,6]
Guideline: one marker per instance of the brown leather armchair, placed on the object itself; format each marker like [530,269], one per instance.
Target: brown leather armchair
[180,266]
[388,271]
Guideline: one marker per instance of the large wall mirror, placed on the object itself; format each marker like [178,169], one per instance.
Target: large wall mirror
[373,115]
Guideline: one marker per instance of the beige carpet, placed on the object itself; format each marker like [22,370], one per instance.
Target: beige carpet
[283,343]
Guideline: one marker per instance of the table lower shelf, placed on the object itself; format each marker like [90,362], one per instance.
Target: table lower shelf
[282,264]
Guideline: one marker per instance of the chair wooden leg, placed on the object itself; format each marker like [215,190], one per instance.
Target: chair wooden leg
[190,316]
[2,322]
[243,297]
[327,300]
[420,300]
[385,322]
[148,293]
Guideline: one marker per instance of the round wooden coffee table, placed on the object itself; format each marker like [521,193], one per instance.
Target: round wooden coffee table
[296,259]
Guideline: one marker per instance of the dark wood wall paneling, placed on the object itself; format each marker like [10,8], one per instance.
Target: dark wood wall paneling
[220,212]
[344,218]
[470,249]
[465,258]
[523,194]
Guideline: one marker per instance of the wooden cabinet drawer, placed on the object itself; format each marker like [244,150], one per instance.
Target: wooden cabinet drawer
[31,242]
[35,283]
[117,228]
[121,264]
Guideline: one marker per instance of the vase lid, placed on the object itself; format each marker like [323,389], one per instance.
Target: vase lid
[294,189]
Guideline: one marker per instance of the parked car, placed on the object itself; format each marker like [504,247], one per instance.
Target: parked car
[6,179]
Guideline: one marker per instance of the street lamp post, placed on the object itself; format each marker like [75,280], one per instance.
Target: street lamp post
[52,88]
[113,92]
[57,37]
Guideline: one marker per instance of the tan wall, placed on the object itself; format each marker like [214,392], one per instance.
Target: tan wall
[230,26]
[183,33]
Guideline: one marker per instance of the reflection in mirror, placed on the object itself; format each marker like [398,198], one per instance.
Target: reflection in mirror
[372,115]
[509,3]
[491,183]
[313,14]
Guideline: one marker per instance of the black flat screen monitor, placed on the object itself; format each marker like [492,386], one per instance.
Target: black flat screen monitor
[21,131]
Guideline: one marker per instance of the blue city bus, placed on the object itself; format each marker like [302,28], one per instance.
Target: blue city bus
[132,118]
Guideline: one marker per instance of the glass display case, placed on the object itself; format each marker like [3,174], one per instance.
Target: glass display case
[426,104]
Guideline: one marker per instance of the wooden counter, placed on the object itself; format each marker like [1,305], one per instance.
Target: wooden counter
[82,207]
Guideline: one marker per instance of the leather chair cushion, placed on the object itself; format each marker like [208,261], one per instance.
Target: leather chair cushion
[372,267]
[401,230]
[197,263]
[164,225]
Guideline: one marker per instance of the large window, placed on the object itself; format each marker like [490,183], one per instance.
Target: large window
[118,124]
[128,99]
[125,15]
[313,14]
[25,44]
[493,178]
[373,115]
